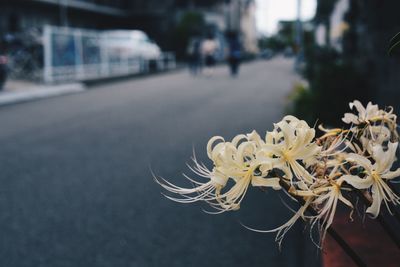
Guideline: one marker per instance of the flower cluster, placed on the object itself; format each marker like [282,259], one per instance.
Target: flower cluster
[318,172]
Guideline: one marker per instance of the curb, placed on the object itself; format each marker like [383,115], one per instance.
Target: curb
[39,92]
[46,91]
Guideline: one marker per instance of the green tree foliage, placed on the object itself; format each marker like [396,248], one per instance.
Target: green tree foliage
[274,42]
[287,32]
[334,83]
[335,78]
[285,37]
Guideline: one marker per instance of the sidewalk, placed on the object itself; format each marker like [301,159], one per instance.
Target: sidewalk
[16,91]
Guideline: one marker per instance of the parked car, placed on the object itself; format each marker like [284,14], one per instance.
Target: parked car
[132,43]
[288,52]
[267,54]
[3,70]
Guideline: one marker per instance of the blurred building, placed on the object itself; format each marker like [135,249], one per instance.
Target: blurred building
[241,18]
[361,32]
[20,15]
[222,15]
[157,18]
[248,27]
[337,26]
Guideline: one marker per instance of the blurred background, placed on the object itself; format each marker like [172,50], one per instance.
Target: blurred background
[94,94]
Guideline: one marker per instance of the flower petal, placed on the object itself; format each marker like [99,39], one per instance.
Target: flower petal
[356,181]
[376,202]
[211,142]
[391,174]
[359,107]
[350,118]
[266,182]
[384,159]
[362,161]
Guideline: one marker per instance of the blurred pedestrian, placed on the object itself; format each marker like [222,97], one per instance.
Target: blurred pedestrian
[209,49]
[234,53]
[194,55]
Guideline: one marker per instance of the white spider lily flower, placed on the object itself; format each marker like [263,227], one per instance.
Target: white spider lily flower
[240,167]
[311,170]
[265,165]
[325,194]
[370,114]
[202,191]
[234,161]
[291,142]
[323,198]
[376,176]
[326,203]
[377,135]
[365,114]
[240,164]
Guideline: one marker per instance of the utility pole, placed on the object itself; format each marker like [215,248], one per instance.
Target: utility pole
[299,36]
[228,15]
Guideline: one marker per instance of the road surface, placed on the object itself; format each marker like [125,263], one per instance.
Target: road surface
[76,187]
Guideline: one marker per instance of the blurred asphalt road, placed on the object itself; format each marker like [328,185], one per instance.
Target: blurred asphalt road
[76,189]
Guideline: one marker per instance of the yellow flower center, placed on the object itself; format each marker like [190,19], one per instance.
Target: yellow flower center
[376,176]
[336,187]
[286,156]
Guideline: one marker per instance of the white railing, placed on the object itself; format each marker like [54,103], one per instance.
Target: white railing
[78,54]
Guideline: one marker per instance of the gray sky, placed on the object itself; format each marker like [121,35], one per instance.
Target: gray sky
[269,12]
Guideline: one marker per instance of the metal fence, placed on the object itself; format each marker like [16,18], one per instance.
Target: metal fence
[77,54]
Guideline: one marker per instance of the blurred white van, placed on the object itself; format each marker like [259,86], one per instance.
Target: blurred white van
[131,43]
